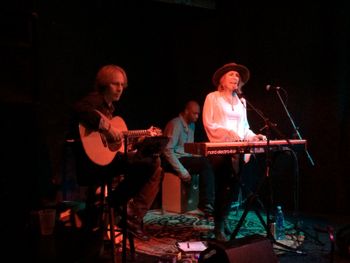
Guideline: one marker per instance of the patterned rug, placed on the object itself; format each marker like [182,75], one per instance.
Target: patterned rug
[166,229]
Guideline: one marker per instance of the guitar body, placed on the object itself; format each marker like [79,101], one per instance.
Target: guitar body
[97,147]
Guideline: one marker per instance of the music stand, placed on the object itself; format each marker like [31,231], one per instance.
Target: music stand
[123,221]
[254,197]
[147,146]
[125,215]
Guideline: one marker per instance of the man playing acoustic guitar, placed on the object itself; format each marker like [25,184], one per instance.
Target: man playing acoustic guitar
[102,134]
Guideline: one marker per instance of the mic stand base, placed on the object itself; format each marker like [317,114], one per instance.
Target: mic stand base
[298,228]
[251,201]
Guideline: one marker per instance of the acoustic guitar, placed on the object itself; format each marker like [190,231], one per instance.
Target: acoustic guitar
[102,150]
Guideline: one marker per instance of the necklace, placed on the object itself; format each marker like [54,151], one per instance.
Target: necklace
[231,101]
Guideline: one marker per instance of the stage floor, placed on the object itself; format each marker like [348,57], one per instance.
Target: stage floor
[70,245]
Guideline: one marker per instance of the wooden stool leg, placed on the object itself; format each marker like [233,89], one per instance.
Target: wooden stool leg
[127,236]
[112,233]
[132,246]
[123,231]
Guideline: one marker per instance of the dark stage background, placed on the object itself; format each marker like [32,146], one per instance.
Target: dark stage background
[51,50]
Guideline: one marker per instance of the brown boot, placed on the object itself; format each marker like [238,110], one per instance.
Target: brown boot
[219,232]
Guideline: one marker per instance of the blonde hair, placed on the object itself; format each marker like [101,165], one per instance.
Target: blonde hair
[104,75]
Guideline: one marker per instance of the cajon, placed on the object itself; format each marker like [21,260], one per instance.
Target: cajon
[179,196]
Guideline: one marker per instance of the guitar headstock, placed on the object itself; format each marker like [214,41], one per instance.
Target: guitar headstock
[154,131]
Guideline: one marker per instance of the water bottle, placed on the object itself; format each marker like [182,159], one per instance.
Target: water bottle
[280,230]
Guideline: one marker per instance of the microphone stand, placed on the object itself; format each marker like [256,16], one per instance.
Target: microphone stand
[296,212]
[296,129]
[253,198]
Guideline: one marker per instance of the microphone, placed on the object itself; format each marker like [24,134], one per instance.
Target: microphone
[239,94]
[270,87]
[241,98]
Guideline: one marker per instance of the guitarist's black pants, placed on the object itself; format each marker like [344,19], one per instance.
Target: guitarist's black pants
[142,176]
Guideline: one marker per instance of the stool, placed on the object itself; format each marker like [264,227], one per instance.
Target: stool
[179,196]
[88,175]
[108,221]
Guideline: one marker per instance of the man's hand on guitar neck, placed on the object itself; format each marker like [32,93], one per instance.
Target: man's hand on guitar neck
[154,131]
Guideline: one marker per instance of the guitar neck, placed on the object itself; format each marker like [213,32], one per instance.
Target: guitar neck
[136,133]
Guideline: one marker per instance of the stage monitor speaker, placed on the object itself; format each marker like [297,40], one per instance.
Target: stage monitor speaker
[250,249]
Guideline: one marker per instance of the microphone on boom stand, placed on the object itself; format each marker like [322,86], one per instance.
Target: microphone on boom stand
[254,197]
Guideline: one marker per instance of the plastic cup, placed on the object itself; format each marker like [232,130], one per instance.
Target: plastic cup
[47,220]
